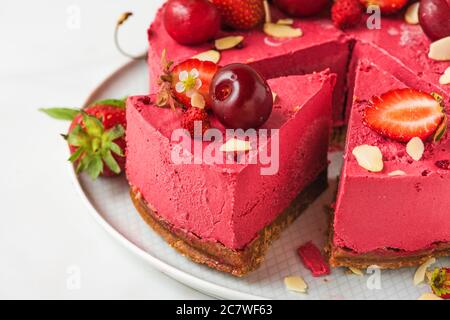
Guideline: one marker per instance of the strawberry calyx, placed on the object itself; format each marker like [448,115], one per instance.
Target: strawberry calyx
[440,282]
[95,146]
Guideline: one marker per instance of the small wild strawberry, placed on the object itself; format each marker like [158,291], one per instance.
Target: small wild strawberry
[193,115]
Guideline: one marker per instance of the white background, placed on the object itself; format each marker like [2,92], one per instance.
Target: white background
[47,59]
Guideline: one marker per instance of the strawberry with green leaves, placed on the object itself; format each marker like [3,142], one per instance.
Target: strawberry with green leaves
[96,137]
[440,282]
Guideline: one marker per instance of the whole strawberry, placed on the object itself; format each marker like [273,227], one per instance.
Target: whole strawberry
[386,6]
[193,115]
[346,13]
[96,137]
[440,282]
[241,14]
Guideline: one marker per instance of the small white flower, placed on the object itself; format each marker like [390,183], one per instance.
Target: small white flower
[189,82]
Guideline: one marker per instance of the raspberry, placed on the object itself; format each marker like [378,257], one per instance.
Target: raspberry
[346,13]
[195,114]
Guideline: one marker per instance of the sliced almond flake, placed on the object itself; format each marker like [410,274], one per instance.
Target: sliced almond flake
[235,145]
[356,271]
[198,101]
[282,31]
[286,21]
[415,148]
[369,157]
[211,55]
[228,42]
[440,49]
[397,173]
[429,296]
[412,13]
[445,78]
[296,284]
[274,96]
[419,276]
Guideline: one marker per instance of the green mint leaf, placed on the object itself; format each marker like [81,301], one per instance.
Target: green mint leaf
[119,103]
[114,147]
[61,113]
[95,167]
[111,163]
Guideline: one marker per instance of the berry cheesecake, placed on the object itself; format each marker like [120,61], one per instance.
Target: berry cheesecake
[226,215]
[381,80]
[392,207]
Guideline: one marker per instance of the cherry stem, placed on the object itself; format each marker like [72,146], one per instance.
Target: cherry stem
[267,12]
[124,17]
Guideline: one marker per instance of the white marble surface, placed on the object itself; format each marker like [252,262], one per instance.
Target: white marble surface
[48,57]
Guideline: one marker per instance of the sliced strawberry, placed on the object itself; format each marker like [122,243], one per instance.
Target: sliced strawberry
[403,114]
[192,76]
[386,6]
[241,14]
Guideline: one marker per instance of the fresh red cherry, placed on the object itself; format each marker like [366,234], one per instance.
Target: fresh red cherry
[241,98]
[434,17]
[301,8]
[191,22]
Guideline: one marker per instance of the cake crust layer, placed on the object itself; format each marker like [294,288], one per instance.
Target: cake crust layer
[386,259]
[216,255]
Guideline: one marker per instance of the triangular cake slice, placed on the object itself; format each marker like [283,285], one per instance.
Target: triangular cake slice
[401,215]
[226,215]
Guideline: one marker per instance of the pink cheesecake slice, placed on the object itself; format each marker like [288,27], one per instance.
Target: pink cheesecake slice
[402,49]
[322,46]
[397,217]
[226,215]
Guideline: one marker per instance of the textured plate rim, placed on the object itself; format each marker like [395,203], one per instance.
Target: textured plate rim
[175,273]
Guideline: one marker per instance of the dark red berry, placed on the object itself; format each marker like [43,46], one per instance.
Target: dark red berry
[191,115]
[434,17]
[191,22]
[241,98]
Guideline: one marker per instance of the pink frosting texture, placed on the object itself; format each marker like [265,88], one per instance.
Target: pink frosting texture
[322,46]
[402,49]
[375,211]
[231,203]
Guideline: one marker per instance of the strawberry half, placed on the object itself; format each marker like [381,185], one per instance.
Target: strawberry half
[386,6]
[241,14]
[440,282]
[96,137]
[403,114]
[184,80]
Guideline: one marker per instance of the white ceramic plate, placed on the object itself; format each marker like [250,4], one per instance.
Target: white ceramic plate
[110,205]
